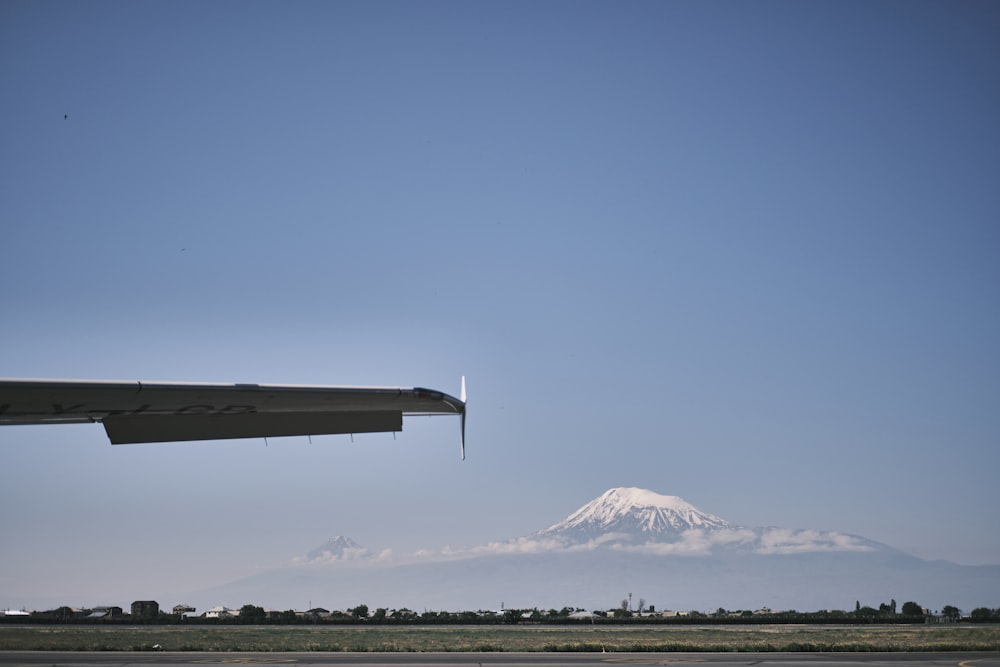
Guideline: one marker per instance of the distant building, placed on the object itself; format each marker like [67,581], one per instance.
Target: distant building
[106,612]
[317,613]
[146,610]
[222,612]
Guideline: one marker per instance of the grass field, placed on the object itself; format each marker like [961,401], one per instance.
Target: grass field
[501,638]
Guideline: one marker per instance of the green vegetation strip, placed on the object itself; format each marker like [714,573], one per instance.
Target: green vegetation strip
[493,638]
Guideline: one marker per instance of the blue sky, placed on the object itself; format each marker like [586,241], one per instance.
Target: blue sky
[743,253]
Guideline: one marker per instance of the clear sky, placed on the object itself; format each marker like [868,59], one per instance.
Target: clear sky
[746,253]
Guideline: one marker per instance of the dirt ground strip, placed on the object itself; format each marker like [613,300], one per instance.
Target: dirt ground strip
[501,638]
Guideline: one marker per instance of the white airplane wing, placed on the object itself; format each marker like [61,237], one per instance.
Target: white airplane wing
[134,412]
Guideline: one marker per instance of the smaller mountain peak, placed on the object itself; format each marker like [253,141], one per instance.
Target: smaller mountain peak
[336,548]
[341,542]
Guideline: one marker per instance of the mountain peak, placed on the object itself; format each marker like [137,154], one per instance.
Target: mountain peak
[636,512]
[337,548]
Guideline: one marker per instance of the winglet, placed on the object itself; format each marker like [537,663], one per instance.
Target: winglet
[462,397]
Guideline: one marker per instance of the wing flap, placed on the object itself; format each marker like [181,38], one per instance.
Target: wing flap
[133,429]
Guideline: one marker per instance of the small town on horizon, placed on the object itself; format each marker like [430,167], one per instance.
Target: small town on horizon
[149,612]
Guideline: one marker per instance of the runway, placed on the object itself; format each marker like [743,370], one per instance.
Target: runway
[169,659]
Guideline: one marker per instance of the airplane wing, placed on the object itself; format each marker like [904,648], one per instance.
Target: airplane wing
[134,412]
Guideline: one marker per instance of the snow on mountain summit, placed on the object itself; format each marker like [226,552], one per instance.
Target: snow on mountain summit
[639,513]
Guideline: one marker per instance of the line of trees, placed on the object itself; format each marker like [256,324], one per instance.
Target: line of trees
[249,614]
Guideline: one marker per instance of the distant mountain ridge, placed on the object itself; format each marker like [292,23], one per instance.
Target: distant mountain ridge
[635,520]
[669,551]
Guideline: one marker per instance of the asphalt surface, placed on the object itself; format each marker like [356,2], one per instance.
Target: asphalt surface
[168,659]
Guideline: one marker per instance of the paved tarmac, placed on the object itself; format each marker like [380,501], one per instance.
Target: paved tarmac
[168,659]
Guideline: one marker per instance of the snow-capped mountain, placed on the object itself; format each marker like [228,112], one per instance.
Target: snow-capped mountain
[645,521]
[337,548]
[633,514]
